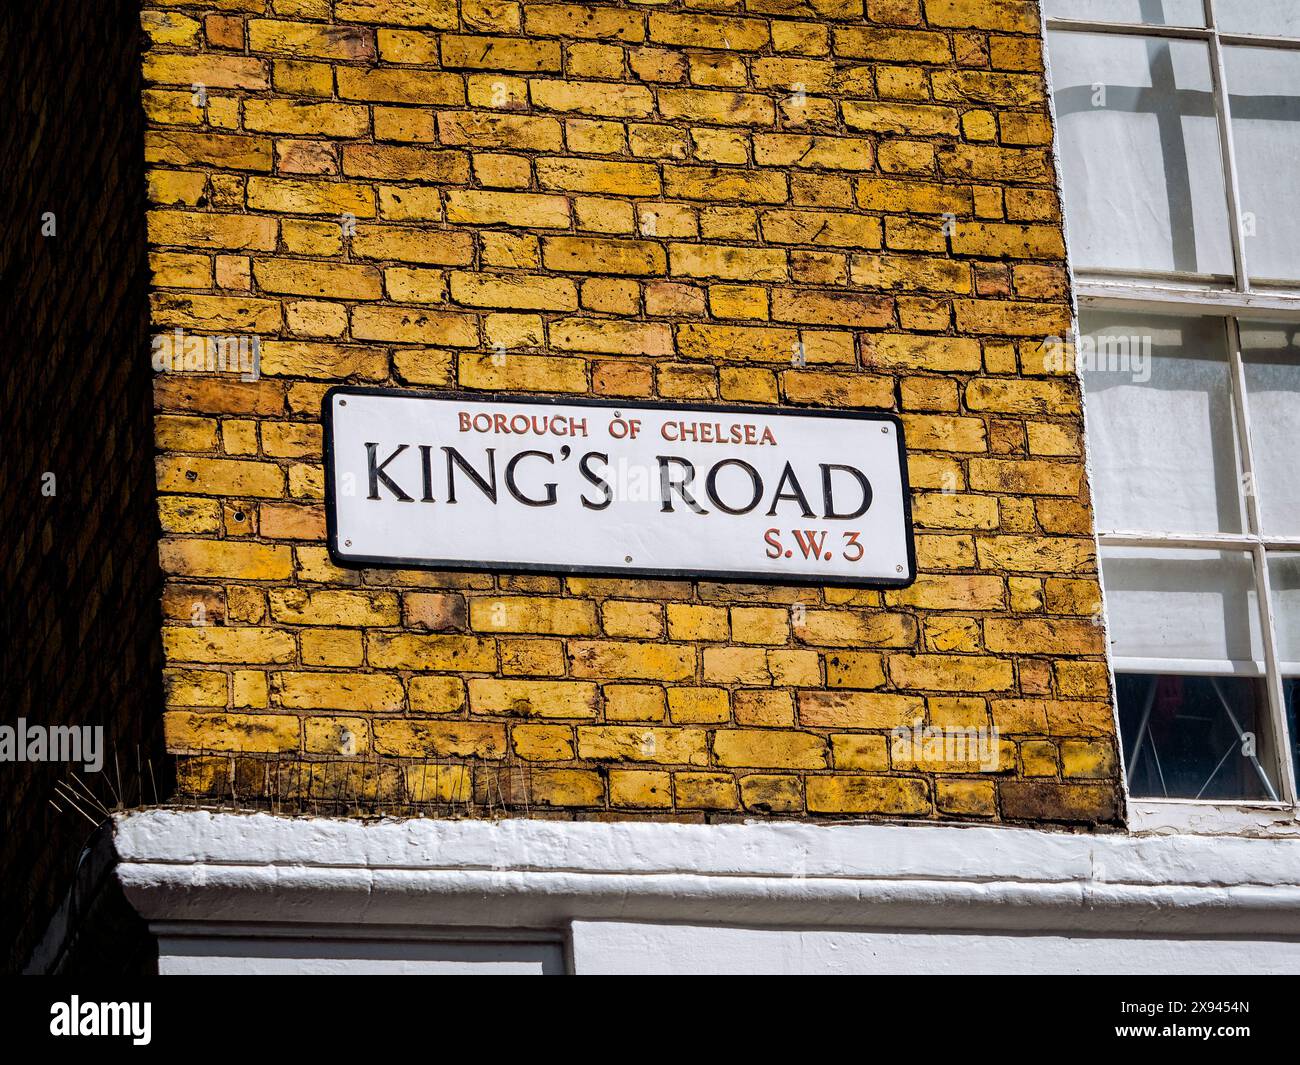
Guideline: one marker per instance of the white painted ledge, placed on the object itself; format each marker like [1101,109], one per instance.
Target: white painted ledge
[519,875]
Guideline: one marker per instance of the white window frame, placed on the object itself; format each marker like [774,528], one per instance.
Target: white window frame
[1232,299]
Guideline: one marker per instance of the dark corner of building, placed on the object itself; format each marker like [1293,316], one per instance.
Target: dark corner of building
[80,575]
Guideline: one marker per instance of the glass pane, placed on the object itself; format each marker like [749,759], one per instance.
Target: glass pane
[1196,737]
[1144,186]
[1275,18]
[1264,97]
[1291,697]
[1186,609]
[1160,423]
[1151,12]
[1271,359]
[1284,583]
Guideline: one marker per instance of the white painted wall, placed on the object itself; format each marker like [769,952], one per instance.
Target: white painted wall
[606,947]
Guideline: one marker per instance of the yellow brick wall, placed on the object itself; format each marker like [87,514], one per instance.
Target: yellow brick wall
[624,199]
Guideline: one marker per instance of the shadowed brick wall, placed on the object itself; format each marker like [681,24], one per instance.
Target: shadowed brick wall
[79,574]
[658,200]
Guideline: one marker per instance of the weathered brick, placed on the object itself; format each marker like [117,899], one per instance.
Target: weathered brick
[529,698]
[844,793]
[667,746]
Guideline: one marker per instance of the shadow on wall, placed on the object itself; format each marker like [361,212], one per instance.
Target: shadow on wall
[79,579]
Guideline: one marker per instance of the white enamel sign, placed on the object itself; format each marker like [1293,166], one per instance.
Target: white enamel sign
[449,481]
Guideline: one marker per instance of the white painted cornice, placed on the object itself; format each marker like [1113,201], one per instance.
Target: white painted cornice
[190,865]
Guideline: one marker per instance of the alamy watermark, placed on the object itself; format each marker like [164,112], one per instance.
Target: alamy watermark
[77,1018]
[53,743]
[179,351]
[929,743]
[1104,353]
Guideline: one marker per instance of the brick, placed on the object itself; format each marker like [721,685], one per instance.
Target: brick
[601,256]
[543,743]
[1044,636]
[562,699]
[698,705]
[527,373]
[822,229]
[807,150]
[304,118]
[723,183]
[809,306]
[337,691]
[922,120]
[764,749]
[204,230]
[966,798]
[843,628]
[239,645]
[592,175]
[641,788]
[211,71]
[992,240]
[1019,16]
[499,53]
[297,196]
[951,673]
[1025,477]
[769,793]
[705,791]
[611,337]
[601,99]
[912,46]
[297,606]
[217,314]
[546,788]
[866,710]
[485,129]
[634,702]
[194,687]
[730,263]
[845,793]
[405,164]
[565,617]
[394,85]
[406,738]
[245,733]
[815,388]
[583,21]
[331,647]
[433,653]
[436,695]
[220,558]
[630,661]
[210,476]
[230,151]
[665,746]
[298,278]
[414,327]
[514,291]
[1070,803]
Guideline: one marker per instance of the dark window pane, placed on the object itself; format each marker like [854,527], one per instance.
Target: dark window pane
[1195,737]
[1291,696]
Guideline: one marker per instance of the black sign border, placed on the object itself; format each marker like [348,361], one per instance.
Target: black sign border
[344,559]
